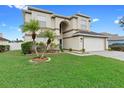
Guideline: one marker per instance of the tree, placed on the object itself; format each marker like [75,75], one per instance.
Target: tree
[33,26]
[50,35]
[121,22]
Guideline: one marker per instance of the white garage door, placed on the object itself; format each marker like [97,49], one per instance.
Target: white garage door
[94,44]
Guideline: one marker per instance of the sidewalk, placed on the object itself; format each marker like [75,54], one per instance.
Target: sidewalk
[79,54]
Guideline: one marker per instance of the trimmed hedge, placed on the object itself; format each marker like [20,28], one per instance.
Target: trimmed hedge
[4,48]
[117,48]
[27,47]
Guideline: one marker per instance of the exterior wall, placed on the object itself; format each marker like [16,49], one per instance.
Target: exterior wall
[80,21]
[73,43]
[4,43]
[27,17]
[38,39]
[73,23]
[69,34]
[35,14]
[106,40]
[15,46]
[47,17]
[59,20]
[27,38]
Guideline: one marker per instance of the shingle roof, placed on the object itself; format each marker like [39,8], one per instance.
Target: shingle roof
[54,15]
[3,39]
[40,10]
[113,36]
[116,38]
[90,33]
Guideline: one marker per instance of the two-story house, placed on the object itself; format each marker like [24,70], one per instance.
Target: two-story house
[71,31]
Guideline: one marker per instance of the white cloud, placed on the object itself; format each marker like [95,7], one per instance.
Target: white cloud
[19,30]
[21,7]
[10,6]
[95,20]
[24,7]
[116,21]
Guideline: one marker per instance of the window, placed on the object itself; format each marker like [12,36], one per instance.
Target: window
[42,23]
[84,24]
[42,20]
[84,27]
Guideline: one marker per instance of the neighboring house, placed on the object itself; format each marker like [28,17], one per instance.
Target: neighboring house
[3,41]
[72,31]
[114,38]
[14,45]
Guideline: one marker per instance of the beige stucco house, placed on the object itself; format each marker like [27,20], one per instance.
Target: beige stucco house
[3,41]
[71,31]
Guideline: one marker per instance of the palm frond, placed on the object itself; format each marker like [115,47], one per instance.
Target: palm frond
[31,26]
[48,34]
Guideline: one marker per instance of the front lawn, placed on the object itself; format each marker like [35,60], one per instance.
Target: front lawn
[64,70]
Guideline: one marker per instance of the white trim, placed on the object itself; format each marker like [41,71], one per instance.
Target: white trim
[90,35]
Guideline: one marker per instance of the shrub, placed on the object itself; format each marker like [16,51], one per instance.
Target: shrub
[83,50]
[4,48]
[109,49]
[53,45]
[41,47]
[27,47]
[117,48]
[70,49]
[53,48]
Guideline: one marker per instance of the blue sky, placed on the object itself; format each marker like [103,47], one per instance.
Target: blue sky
[104,18]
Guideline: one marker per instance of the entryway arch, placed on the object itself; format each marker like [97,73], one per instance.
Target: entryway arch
[64,26]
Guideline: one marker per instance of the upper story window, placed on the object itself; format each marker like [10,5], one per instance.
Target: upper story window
[84,24]
[42,21]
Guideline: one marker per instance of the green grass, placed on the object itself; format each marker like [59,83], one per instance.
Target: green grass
[64,70]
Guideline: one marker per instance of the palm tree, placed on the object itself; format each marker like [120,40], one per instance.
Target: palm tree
[33,26]
[121,22]
[50,35]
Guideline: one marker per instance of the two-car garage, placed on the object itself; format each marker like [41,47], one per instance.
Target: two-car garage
[91,41]
[94,44]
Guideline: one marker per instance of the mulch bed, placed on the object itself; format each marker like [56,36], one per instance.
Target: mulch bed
[39,59]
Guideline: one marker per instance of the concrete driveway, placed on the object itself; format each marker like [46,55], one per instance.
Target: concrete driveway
[113,54]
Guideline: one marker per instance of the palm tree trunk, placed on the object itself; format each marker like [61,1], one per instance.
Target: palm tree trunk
[35,48]
[34,42]
[45,50]
[48,43]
